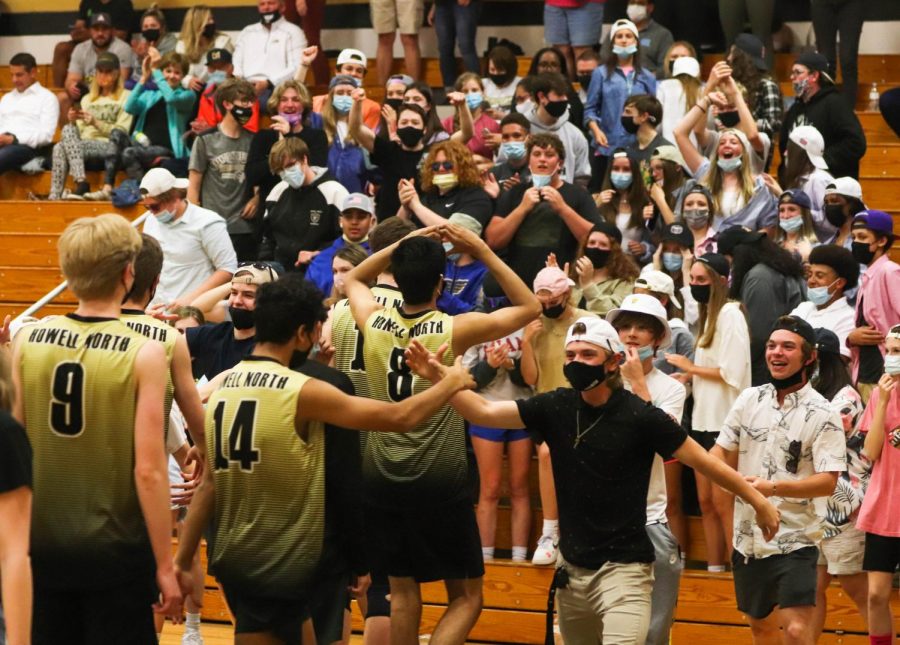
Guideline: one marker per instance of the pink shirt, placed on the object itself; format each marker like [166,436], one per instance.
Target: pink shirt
[476,144]
[879,293]
[571,4]
[880,512]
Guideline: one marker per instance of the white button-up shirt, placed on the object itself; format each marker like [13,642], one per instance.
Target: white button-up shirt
[268,54]
[839,317]
[763,433]
[30,116]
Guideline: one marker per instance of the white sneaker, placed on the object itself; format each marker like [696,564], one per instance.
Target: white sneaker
[546,551]
[191,638]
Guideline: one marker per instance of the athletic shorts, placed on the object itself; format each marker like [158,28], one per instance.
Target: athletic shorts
[327,606]
[390,15]
[114,615]
[426,543]
[705,439]
[788,580]
[495,434]
[843,553]
[882,553]
[579,26]
[253,614]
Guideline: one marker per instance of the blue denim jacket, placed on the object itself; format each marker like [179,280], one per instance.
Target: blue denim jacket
[606,99]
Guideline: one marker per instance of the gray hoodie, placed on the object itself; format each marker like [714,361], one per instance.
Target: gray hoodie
[576,161]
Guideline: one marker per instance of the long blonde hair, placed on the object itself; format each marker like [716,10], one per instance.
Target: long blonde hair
[713,178]
[692,88]
[709,312]
[116,91]
[195,20]
[330,119]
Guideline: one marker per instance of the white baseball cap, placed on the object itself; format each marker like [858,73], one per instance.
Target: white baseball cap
[644,303]
[596,332]
[159,180]
[657,282]
[352,56]
[846,186]
[810,139]
[619,25]
[686,65]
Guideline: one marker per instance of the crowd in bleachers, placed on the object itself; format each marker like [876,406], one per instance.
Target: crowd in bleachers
[613,180]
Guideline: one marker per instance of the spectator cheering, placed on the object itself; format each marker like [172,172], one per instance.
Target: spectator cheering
[198,37]
[28,115]
[356,220]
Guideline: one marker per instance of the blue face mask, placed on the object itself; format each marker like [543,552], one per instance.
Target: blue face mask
[540,181]
[672,261]
[729,165]
[791,225]
[452,257]
[216,78]
[513,149]
[620,180]
[474,100]
[293,175]
[342,103]
[645,352]
[819,295]
[164,217]
[624,52]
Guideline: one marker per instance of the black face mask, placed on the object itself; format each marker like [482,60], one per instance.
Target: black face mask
[410,136]
[584,80]
[701,292]
[555,311]
[394,103]
[298,358]
[556,108]
[729,119]
[584,377]
[834,213]
[499,79]
[672,67]
[784,383]
[268,17]
[209,30]
[862,253]
[241,114]
[241,318]
[598,257]
[150,35]
[628,123]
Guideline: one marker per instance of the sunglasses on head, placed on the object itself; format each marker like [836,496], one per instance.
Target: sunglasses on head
[261,266]
[441,165]
[794,451]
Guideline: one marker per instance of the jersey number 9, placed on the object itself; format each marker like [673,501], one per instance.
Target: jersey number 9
[67,404]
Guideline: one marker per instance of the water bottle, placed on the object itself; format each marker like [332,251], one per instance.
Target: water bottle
[873,98]
[141,139]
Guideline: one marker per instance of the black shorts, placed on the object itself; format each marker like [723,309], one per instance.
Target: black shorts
[426,543]
[787,580]
[120,615]
[882,553]
[327,606]
[705,439]
[281,617]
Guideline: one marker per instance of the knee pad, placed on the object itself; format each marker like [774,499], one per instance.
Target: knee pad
[379,605]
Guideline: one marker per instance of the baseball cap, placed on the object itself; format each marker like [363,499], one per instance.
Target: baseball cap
[796,325]
[797,197]
[678,233]
[810,139]
[815,62]
[734,235]
[753,47]
[716,262]
[101,19]
[351,56]
[619,25]
[359,202]
[670,153]
[658,282]
[218,56]
[827,341]
[343,79]
[467,222]
[846,186]
[608,229]
[686,65]
[159,180]
[643,303]
[596,332]
[107,61]
[552,279]
[877,221]
[254,273]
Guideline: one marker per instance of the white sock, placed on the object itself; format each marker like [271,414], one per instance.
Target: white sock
[519,553]
[715,568]
[487,552]
[551,528]
[683,555]
[192,622]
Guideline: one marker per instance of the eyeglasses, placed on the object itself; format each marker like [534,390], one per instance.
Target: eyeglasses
[549,65]
[441,165]
[794,451]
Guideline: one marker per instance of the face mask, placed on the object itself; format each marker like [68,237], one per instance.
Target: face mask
[862,253]
[539,181]
[636,12]
[696,218]
[598,257]
[729,119]
[451,257]
[150,35]
[834,213]
[701,292]
[446,181]
[268,17]
[555,311]
[209,30]
[164,217]
[499,79]
[584,80]
[620,180]
[819,295]
[474,100]
[556,108]
[514,150]
[729,165]
[583,377]
[342,103]
[672,67]
[624,52]
[791,225]
[892,364]
[241,114]
[292,119]
[525,106]
[394,103]
[410,136]
[293,176]
[672,261]
[645,352]
[241,318]
[216,78]
[628,123]
[784,383]
[800,87]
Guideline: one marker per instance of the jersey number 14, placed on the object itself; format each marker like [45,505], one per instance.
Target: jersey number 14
[240,436]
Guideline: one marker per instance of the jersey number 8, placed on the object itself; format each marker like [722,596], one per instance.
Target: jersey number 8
[400,378]
[240,436]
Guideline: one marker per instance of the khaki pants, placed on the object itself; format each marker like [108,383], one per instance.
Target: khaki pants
[608,605]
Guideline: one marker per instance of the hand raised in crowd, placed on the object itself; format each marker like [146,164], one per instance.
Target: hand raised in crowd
[531,329]
[657,258]
[358,94]
[280,125]
[772,184]
[886,385]
[406,189]
[515,180]
[718,72]
[866,335]
[635,248]
[607,195]
[301,8]
[464,240]
[657,194]
[146,70]
[154,55]
[648,212]
[456,98]
[687,260]
[498,356]
[584,269]
[308,55]
[305,257]
[390,117]
[633,368]
[490,185]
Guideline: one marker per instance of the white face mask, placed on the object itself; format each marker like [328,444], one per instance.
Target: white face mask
[636,12]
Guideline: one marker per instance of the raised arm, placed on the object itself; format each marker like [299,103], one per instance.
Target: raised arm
[875,436]
[466,128]
[682,134]
[359,130]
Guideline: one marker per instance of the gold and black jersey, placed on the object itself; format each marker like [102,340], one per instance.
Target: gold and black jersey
[269,482]
[427,465]
[79,395]
[157,330]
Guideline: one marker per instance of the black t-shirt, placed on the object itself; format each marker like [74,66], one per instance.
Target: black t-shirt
[15,454]
[543,231]
[214,348]
[156,126]
[121,12]
[871,362]
[474,202]
[601,485]
[395,164]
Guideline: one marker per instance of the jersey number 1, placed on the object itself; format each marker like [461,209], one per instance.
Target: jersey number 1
[240,436]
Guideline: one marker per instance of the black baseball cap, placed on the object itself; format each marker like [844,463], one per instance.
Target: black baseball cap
[678,233]
[734,235]
[101,19]
[716,262]
[107,61]
[827,341]
[815,62]
[796,325]
[610,230]
[754,48]
[218,56]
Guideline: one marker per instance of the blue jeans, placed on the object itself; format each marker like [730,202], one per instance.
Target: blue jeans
[454,24]
[13,156]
